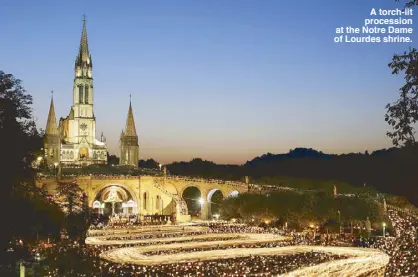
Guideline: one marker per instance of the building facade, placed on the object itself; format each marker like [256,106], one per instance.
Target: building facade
[74,142]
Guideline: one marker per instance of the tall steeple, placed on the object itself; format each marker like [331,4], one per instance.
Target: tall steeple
[83,82]
[130,129]
[51,123]
[129,147]
[83,63]
[52,143]
[83,54]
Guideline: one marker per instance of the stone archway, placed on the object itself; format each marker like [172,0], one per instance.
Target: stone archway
[214,198]
[84,153]
[192,195]
[233,193]
[112,199]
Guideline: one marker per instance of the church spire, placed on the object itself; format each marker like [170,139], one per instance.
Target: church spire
[51,124]
[129,148]
[83,55]
[130,129]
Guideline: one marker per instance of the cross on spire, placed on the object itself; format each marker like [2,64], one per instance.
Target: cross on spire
[84,18]
[52,94]
[130,97]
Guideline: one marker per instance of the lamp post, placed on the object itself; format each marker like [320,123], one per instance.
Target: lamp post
[37,259]
[39,159]
[339,219]
[55,168]
[384,229]
[160,165]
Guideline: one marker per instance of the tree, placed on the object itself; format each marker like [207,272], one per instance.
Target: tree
[403,113]
[150,163]
[38,216]
[18,142]
[70,197]
[112,159]
[73,201]
[300,209]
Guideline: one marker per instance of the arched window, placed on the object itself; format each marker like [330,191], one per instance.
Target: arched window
[80,94]
[145,200]
[86,94]
[157,204]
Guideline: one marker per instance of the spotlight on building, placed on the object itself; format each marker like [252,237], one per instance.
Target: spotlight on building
[201,201]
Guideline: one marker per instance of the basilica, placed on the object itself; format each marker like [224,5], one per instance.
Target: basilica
[73,142]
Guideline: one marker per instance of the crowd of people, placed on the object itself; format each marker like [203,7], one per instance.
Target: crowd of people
[402,248]
[240,266]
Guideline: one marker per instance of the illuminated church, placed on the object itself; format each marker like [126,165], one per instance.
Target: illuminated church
[74,142]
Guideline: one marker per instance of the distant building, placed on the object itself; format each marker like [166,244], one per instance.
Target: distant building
[74,141]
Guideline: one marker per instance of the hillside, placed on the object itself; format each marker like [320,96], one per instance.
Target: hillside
[391,170]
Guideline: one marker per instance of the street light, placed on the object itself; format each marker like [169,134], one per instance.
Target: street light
[55,167]
[201,201]
[384,229]
[160,165]
[39,160]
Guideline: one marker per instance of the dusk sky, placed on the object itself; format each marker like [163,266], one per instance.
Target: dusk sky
[221,80]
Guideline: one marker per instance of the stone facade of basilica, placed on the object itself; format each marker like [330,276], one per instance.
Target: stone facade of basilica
[74,142]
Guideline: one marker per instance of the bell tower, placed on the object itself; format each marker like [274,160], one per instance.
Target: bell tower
[83,92]
[52,138]
[129,147]
[83,81]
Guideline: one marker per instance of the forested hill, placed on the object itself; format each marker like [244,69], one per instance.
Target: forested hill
[391,170]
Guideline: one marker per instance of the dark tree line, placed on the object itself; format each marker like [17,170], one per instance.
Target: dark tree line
[302,209]
[388,170]
[150,164]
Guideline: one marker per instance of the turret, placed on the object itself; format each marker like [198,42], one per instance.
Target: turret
[52,138]
[129,147]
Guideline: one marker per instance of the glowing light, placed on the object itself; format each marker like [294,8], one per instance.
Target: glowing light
[201,201]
